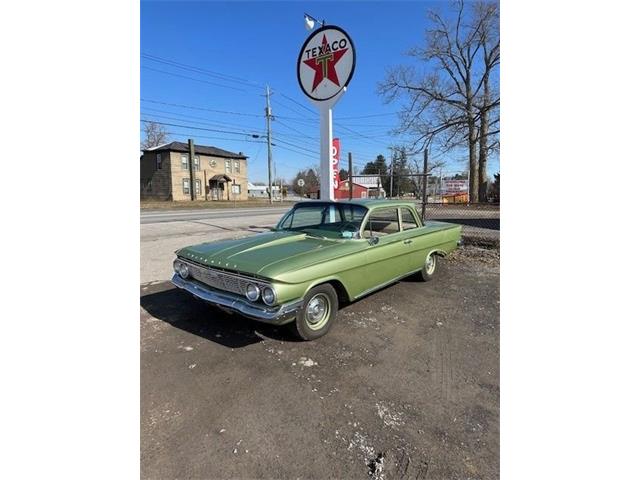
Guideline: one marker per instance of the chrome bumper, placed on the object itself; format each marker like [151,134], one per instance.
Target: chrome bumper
[275,315]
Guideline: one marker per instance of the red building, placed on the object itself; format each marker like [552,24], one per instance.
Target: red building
[342,192]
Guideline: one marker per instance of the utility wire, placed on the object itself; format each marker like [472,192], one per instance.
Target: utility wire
[196,128]
[202,108]
[193,68]
[194,79]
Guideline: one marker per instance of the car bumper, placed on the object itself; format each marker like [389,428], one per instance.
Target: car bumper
[228,301]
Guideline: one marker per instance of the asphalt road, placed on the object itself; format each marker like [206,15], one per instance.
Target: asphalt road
[161,216]
[405,386]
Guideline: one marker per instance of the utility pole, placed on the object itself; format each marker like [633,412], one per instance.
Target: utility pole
[268,114]
[281,196]
[393,163]
[378,192]
[350,177]
[192,154]
[424,183]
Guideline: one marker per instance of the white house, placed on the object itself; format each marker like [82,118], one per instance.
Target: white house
[260,191]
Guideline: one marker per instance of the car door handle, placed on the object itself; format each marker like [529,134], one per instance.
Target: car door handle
[407,242]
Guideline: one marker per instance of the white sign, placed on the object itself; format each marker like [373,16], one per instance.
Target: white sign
[455,186]
[326,63]
[300,182]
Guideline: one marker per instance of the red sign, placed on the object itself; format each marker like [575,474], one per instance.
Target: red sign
[335,162]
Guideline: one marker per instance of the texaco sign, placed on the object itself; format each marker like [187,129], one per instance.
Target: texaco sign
[326,63]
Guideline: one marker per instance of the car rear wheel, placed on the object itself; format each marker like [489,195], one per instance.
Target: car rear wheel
[318,312]
[429,268]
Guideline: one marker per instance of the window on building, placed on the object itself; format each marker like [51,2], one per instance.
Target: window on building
[227,166]
[235,189]
[158,161]
[198,187]
[236,166]
[185,186]
[184,160]
[196,163]
[382,222]
[408,220]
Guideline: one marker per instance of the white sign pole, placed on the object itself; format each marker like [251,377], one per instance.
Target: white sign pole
[325,66]
[326,143]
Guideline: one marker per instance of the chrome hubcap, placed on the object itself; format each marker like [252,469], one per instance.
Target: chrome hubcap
[317,312]
[430,264]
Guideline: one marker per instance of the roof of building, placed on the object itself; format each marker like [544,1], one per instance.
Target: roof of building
[367,180]
[346,181]
[199,149]
[223,177]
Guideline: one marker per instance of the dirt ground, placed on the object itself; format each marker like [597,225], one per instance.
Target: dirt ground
[405,386]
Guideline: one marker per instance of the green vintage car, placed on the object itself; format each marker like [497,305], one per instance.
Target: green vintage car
[319,256]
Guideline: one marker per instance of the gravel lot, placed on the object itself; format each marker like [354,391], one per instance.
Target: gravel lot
[405,386]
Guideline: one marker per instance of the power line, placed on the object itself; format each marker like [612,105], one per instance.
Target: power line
[250,132]
[280,122]
[294,145]
[368,116]
[298,103]
[194,79]
[196,128]
[211,137]
[201,108]
[193,68]
[292,110]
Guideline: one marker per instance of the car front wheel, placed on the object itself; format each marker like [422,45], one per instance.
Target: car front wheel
[318,312]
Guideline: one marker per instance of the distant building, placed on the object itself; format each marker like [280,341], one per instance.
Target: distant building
[372,183]
[260,191]
[359,191]
[218,174]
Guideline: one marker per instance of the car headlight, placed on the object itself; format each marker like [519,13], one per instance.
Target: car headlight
[268,296]
[252,292]
[183,270]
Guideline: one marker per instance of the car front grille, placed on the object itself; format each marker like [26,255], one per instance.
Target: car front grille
[219,279]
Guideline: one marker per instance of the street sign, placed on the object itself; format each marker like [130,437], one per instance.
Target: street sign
[300,182]
[326,63]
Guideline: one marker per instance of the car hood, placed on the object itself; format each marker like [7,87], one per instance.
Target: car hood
[266,254]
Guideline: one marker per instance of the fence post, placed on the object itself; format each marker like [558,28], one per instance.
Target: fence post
[424,184]
[350,177]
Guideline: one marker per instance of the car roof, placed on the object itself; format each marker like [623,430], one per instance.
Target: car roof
[367,202]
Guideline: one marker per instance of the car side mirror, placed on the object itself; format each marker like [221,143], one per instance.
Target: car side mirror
[373,240]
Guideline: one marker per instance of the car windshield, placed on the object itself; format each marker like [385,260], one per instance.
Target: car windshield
[331,220]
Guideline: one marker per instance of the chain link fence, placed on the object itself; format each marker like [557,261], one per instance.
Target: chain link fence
[445,198]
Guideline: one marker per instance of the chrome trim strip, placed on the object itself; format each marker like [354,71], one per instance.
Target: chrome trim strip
[277,315]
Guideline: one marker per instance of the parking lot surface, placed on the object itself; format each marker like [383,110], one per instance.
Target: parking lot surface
[405,385]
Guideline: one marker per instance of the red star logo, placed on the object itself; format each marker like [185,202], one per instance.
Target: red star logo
[325,63]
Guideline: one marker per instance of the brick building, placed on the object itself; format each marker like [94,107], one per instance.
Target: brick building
[218,174]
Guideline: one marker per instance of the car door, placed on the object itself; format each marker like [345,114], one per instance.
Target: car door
[413,240]
[386,259]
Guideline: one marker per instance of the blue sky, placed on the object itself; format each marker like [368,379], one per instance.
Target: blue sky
[257,43]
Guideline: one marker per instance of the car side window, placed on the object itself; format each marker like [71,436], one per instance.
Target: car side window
[408,220]
[383,221]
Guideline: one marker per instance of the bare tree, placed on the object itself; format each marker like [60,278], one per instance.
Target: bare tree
[442,106]
[487,16]
[154,135]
